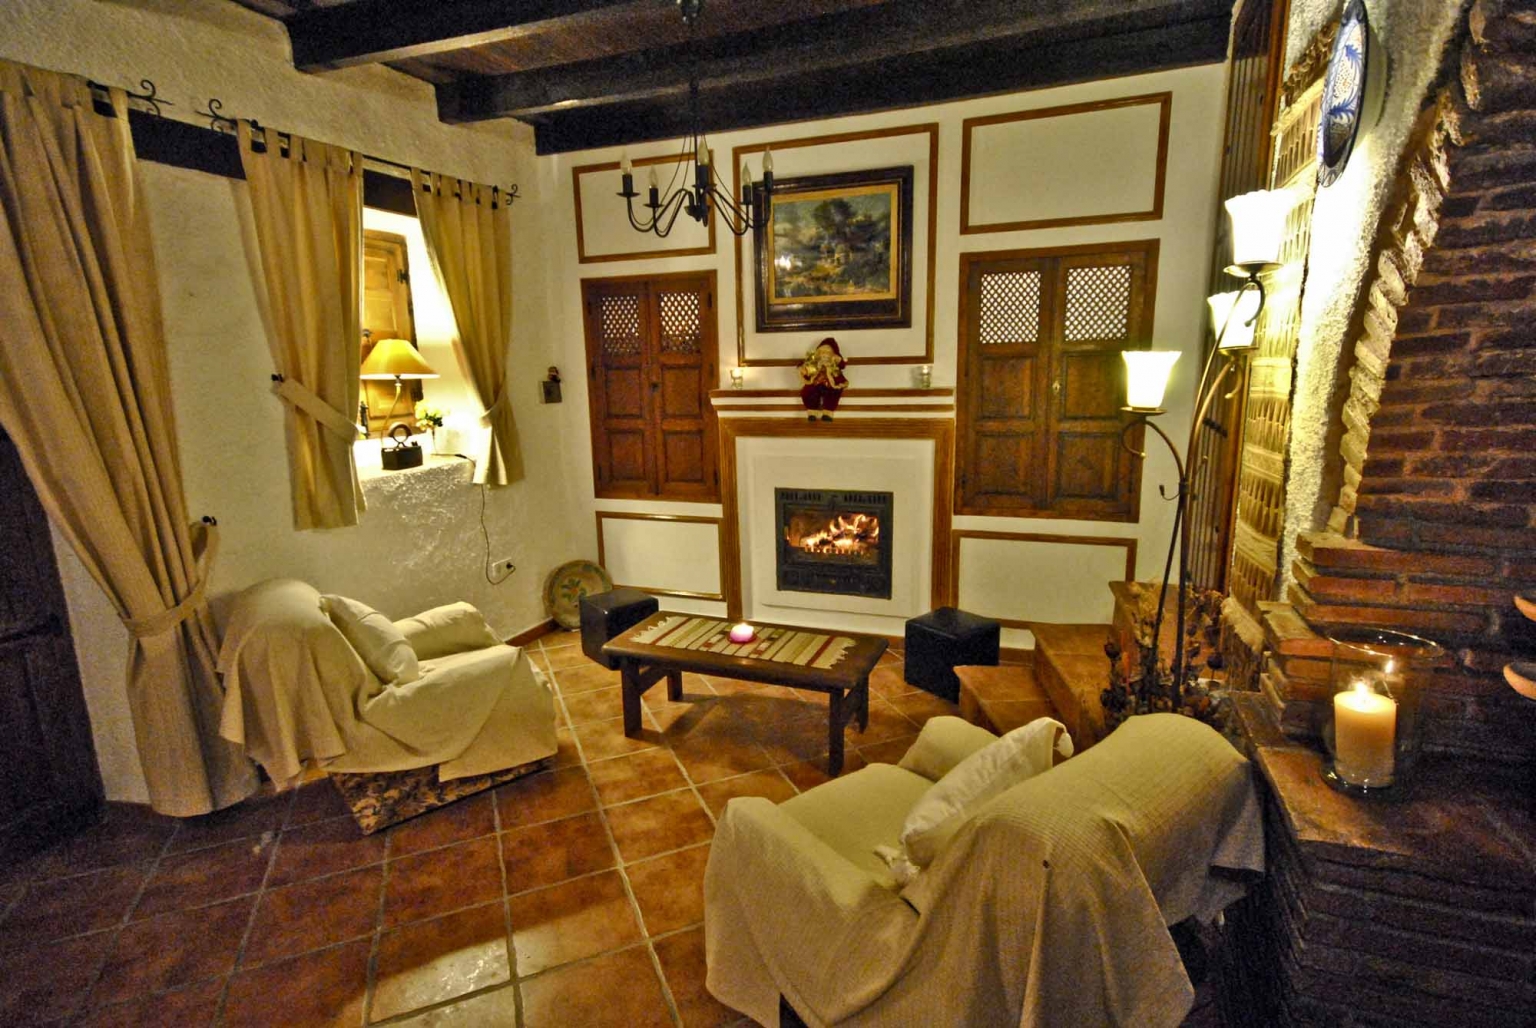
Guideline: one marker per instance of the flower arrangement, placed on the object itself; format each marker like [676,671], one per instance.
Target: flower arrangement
[430,416]
[1149,686]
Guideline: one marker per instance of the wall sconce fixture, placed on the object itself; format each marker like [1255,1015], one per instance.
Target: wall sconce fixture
[1258,231]
[741,218]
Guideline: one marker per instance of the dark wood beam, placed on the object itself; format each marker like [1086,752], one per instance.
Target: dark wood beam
[1052,59]
[371,31]
[901,30]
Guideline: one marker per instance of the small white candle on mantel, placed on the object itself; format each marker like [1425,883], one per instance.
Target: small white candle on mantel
[1364,735]
[742,633]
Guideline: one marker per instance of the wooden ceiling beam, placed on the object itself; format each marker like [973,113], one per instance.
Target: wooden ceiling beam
[860,38]
[371,31]
[1056,58]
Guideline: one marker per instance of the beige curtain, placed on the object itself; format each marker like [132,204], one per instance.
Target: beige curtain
[85,395]
[469,237]
[307,199]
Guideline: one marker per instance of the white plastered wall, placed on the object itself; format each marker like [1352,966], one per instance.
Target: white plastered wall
[419,543]
[1414,34]
[1184,233]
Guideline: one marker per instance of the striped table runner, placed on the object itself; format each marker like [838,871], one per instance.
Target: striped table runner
[780,645]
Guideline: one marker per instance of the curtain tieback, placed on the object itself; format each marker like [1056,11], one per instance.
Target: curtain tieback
[501,400]
[169,618]
[301,397]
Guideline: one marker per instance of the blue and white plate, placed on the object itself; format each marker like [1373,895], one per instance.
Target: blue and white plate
[1343,94]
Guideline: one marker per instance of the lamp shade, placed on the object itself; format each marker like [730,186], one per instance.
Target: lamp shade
[1239,332]
[395,358]
[1258,225]
[1146,377]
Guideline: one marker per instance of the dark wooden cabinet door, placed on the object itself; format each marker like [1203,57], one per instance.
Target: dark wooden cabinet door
[683,371]
[619,327]
[1003,372]
[1041,381]
[49,781]
[651,354]
[1100,298]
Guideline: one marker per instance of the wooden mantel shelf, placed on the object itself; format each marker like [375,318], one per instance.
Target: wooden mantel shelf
[849,393]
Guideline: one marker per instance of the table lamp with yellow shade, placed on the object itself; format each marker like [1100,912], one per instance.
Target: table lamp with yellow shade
[397,360]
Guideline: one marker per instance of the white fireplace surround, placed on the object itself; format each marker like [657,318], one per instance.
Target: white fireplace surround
[902,467]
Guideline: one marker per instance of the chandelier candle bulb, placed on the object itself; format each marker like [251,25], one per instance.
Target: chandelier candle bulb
[1365,734]
[626,167]
[742,632]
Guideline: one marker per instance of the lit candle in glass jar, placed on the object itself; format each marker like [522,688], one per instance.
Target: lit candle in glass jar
[742,633]
[1365,732]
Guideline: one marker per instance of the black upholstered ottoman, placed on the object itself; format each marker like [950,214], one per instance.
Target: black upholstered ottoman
[941,640]
[607,614]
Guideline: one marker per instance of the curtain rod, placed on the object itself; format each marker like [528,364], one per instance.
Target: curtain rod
[218,122]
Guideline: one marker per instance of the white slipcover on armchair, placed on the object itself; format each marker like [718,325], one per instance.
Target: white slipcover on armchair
[1047,908]
[296,689]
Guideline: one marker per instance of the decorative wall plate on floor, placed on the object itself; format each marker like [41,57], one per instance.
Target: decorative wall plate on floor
[1346,106]
[567,584]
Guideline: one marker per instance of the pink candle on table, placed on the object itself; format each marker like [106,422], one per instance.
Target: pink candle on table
[742,633]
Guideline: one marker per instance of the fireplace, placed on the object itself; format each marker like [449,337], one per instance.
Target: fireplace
[834,541]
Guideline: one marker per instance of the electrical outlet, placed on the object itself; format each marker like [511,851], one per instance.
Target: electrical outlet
[499,571]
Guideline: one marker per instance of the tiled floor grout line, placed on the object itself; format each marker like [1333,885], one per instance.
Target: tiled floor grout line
[85,994]
[370,981]
[506,906]
[250,921]
[629,890]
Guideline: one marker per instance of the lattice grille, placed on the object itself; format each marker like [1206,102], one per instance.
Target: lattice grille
[681,327]
[1010,307]
[1098,302]
[619,325]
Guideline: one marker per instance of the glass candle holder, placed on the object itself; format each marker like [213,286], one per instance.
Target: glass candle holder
[1372,728]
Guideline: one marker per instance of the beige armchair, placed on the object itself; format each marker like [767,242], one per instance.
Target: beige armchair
[1049,906]
[298,690]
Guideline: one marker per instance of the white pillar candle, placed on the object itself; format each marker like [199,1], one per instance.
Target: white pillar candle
[1364,734]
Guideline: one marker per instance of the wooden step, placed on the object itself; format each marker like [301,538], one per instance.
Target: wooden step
[1072,670]
[1001,699]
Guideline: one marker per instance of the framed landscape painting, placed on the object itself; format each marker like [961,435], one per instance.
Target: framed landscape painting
[837,252]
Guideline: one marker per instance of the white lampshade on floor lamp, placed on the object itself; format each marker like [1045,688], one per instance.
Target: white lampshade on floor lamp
[396,360]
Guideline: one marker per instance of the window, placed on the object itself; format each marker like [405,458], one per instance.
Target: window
[651,353]
[1040,379]
[387,314]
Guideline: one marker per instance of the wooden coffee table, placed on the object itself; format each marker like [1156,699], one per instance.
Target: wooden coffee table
[846,683]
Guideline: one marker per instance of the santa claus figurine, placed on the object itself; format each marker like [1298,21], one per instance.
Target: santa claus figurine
[824,380]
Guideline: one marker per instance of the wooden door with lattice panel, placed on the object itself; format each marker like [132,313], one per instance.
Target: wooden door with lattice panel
[1103,302]
[1040,379]
[651,360]
[1006,321]
[387,314]
[686,351]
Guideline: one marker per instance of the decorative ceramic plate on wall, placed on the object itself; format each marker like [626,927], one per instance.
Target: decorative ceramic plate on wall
[1343,93]
[567,584]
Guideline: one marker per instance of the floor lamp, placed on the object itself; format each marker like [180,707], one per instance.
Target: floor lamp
[1258,229]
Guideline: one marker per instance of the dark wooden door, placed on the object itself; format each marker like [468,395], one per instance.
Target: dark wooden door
[1004,372]
[49,781]
[1041,379]
[684,369]
[651,361]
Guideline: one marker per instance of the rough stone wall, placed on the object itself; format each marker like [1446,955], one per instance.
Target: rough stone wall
[1439,474]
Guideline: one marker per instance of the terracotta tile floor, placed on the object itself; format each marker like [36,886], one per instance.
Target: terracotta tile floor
[570,898]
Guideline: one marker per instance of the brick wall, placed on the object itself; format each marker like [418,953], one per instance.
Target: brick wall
[1439,448]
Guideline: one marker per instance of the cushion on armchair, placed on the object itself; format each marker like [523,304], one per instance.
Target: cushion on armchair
[451,628]
[381,645]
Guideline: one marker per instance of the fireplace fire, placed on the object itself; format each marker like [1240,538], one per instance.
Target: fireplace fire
[834,541]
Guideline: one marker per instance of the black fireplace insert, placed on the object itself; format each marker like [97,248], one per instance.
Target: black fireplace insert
[834,541]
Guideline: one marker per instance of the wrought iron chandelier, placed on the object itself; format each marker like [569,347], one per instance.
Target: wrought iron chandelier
[749,214]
